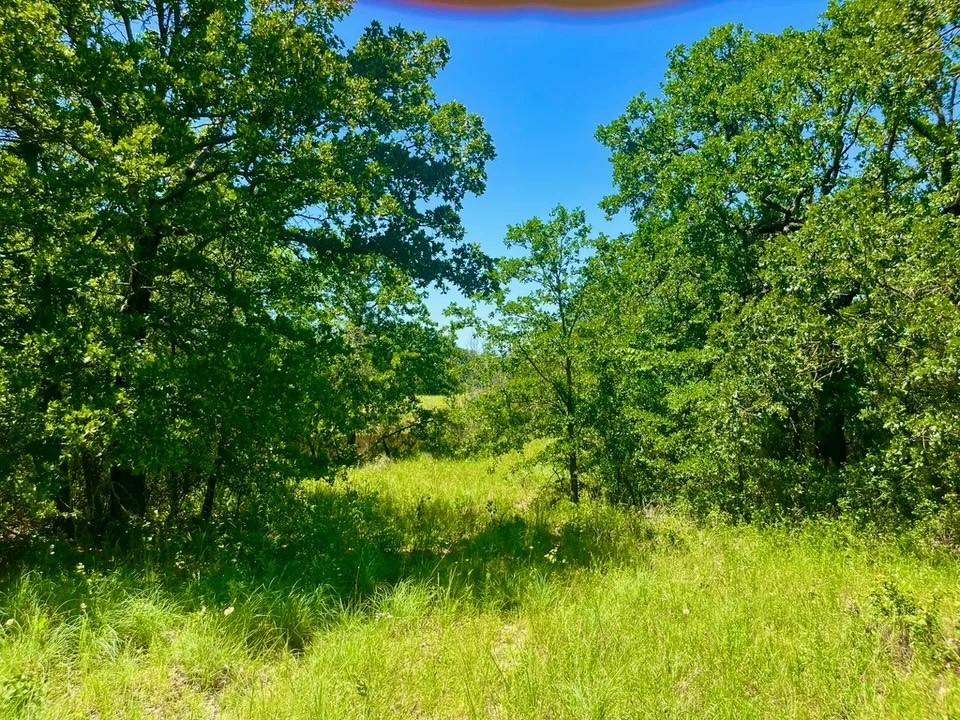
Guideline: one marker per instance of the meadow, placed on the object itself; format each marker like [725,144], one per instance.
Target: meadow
[430,588]
[247,472]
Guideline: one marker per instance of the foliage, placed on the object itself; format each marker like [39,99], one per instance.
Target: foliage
[779,335]
[215,224]
[533,327]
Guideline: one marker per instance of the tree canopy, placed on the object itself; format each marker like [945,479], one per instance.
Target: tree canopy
[791,336]
[218,221]
[205,209]
[779,334]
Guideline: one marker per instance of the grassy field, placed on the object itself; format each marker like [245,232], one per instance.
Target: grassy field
[435,589]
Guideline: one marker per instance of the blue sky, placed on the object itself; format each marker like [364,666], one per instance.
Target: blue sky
[543,85]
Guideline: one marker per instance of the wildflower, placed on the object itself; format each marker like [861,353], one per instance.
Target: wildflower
[80,567]
[686,611]
[228,612]
[9,623]
[83,607]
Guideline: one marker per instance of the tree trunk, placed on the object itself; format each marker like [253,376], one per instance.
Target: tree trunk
[128,495]
[829,425]
[574,477]
[128,486]
[94,493]
[209,497]
[572,459]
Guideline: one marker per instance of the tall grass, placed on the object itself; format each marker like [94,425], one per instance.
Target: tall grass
[433,589]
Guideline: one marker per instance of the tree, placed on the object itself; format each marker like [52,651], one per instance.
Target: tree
[186,186]
[795,202]
[534,327]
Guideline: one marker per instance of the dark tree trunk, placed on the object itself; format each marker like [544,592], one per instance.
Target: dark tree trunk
[573,467]
[128,486]
[830,424]
[835,402]
[128,495]
[93,492]
[209,497]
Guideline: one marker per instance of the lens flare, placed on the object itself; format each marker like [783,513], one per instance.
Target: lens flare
[562,7]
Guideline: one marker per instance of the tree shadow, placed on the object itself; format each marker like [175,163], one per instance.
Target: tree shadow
[299,560]
[355,543]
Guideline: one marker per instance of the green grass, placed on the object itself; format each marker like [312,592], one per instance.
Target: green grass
[433,589]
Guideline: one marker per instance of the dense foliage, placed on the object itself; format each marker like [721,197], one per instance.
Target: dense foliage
[215,221]
[792,288]
[782,331]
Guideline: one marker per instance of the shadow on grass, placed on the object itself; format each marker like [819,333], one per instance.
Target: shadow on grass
[300,562]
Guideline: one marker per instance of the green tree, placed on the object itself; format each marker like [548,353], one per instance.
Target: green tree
[533,325]
[188,188]
[795,202]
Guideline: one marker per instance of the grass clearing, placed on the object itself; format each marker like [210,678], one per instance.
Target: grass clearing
[434,402]
[465,589]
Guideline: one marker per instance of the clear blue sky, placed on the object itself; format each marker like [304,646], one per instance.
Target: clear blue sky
[543,85]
